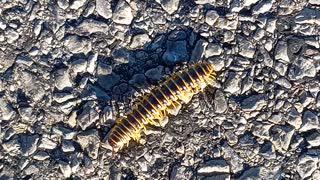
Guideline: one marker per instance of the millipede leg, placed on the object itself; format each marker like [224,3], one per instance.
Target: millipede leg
[174,108]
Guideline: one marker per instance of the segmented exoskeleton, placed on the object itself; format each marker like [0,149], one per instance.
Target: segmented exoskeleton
[164,99]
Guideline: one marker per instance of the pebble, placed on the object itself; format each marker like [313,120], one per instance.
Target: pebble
[139,81]
[122,13]
[213,50]
[307,164]
[253,102]
[47,143]
[93,26]
[103,8]
[6,110]
[67,146]
[281,52]
[89,115]
[11,35]
[233,83]
[199,50]
[77,44]
[303,68]
[62,79]
[170,6]
[92,63]
[308,16]
[89,141]
[214,166]
[63,4]
[65,169]
[313,139]
[139,41]
[246,48]
[32,169]
[79,66]
[176,52]
[28,144]
[263,7]
[107,82]
[211,17]
[220,102]
[41,156]
[155,74]
[12,146]
[309,121]
[281,137]
[76,4]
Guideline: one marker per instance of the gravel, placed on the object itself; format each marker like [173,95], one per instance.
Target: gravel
[69,69]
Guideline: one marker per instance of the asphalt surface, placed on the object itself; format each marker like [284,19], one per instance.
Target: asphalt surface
[69,69]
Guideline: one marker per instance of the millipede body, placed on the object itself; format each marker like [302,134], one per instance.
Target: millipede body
[161,101]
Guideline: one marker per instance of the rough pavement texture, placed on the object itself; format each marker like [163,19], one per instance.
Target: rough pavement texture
[69,68]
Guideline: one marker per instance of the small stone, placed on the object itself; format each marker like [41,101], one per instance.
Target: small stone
[63,4]
[76,4]
[65,169]
[121,55]
[32,169]
[122,13]
[281,68]
[180,172]
[62,79]
[314,139]
[41,156]
[103,7]
[25,60]
[170,6]
[29,144]
[108,81]
[263,7]
[139,41]
[308,16]
[253,102]
[281,137]
[79,66]
[213,50]
[176,52]
[261,130]
[218,63]
[66,133]
[233,83]
[6,111]
[155,74]
[303,68]
[220,102]
[89,141]
[62,97]
[211,17]
[246,48]
[214,166]
[12,146]
[139,80]
[315,2]
[307,164]
[11,35]
[77,44]
[93,26]
[47,143]
[281,52]
[284,83]
[309,121]
[198,50]
[88,115]
[92,63]
[67,146]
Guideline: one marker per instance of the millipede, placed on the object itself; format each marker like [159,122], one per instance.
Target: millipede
[163,100]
